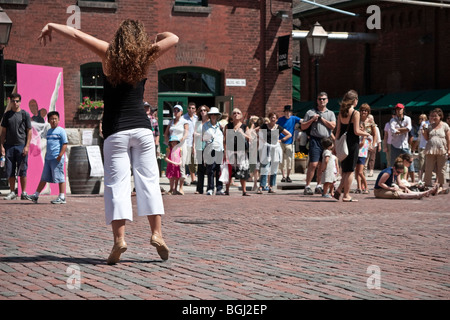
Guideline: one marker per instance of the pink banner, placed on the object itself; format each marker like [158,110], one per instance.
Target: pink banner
[42,91]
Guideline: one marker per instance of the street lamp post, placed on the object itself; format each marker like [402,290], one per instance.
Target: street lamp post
[5,30]
[316,39]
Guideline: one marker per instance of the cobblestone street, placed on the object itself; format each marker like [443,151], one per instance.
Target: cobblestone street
[271,246]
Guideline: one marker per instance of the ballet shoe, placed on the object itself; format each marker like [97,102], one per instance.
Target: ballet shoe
[118,248]
[161,247]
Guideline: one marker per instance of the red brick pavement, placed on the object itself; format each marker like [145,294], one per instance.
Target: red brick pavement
[271,246]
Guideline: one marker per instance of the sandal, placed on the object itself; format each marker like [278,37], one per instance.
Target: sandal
[272,191]
[259,191]
[245,194]
[163,250]
[365,192]
[349,200]
[337,195]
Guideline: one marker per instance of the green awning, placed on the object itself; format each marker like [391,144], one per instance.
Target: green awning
[301,107]
[296,83]
[390,100]
[443,102]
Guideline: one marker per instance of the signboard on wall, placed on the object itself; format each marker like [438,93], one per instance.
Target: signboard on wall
[236,82]
[283,52]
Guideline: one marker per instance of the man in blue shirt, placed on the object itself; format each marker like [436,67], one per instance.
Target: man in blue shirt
[288,121]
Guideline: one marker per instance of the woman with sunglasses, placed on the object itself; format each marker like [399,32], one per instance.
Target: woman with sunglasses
[128,134]
[437,150]
[237,136]
[386,187]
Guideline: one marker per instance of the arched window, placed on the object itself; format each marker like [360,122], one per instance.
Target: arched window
[190,79]
[91,81]
[10,77]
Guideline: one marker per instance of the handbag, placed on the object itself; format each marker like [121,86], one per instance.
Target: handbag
[341,143]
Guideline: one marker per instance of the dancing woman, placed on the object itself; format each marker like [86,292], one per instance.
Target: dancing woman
[127,132]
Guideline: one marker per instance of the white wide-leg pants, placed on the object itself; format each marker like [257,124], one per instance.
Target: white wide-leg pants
[135,148]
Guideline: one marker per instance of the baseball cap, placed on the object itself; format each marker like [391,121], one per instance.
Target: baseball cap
[399,105]
[177,106]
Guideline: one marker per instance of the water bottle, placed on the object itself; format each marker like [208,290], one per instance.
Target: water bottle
[2,161]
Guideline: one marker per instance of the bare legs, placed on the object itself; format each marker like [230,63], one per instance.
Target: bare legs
[344,186]
[120,246]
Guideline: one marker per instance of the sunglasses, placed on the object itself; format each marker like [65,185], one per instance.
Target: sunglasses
[322,99]
[236,113]
[203,110]
[16,101]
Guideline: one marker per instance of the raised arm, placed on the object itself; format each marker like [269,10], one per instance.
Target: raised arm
[165,41]
[97,46]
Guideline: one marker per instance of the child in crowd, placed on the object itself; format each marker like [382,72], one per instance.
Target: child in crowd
[173,159]
[364,145]
[53,171]
[330,168]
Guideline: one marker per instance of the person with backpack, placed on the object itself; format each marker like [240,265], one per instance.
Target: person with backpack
[15,143]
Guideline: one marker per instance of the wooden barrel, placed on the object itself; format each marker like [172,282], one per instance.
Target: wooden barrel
[79,170]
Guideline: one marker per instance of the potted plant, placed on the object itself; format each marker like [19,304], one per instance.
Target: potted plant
[90,110]
[301,160]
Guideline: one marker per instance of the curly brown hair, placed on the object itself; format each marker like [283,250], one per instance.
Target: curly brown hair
[129,54]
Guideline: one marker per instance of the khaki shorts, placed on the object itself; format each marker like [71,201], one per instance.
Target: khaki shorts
[386,194]
[288,156]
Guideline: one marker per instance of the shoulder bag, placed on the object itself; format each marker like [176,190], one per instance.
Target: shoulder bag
[341,143]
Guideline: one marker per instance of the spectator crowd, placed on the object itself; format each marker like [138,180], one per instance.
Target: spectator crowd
[226,148]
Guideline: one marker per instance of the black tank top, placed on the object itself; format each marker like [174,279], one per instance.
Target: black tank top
[124,107]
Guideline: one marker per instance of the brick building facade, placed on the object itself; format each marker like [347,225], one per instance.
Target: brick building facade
[411,52]
[229,39]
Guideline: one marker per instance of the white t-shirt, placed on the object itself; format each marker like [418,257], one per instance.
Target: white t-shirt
[178,128]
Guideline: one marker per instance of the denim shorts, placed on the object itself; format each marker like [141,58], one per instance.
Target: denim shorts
[315,149]
[361,160]
[15,161]
[53,171]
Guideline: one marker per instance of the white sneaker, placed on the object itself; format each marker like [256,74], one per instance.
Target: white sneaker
[209,192]
[11,196]
[59,200]
[220,193]
[34,198]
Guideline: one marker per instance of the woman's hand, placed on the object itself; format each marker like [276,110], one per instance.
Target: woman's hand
[45,33]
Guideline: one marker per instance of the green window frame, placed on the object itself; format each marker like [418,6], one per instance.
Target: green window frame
[10,77]
[91,81]
[190,79]
[203,3]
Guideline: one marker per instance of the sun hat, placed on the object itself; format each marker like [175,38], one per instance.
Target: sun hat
[214,110]
[174,138]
